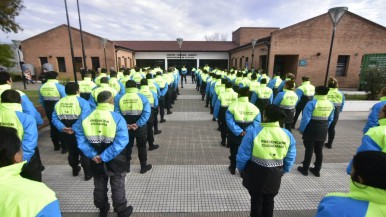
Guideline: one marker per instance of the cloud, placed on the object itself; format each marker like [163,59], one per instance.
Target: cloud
[169,19]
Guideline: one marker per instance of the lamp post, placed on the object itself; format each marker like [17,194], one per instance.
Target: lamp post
[335,15]
[71,47]
[179,42]
[253,50]
[104,42]
[16,44]
[81,38]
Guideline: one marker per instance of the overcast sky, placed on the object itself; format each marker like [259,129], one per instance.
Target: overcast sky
[170,19]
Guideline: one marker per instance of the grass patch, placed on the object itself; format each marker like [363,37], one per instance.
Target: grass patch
[33,95]
[355,97]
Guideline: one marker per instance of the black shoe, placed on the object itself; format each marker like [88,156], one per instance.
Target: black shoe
[104,211]
[232,170]
[222,143]
[64,150]
[126,212]
[42,168]
[182,87]
[329,146]
[206,106]
[56,148]
[162,120]
[171,106]
[313,171]
[178,93]
[153,147]
[157,132]
[302,171]
[75,171]
[213,119]
[86,178]
[146,168]
[169,112]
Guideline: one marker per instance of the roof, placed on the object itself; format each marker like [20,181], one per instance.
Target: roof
[259,41]
[172,46]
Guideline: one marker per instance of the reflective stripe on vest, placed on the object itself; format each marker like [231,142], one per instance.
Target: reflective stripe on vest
[131,103]
[307,88]
[68,108]
[113,82]
[323,108]
[335,96]
[145,90]
[101,88]
[86,85]
[264,92]
[270,146]
[243,111]
[99,126]
[8,117]
[49,91]
[289,100]
[228,97]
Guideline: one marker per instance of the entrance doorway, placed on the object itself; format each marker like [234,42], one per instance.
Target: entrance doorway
[189,64]
[95,64]
[78,63]
[285,64]
[221,64]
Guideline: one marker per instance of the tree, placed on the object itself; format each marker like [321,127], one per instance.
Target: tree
[374,80]
[6,56]
[9,9]
[216,37]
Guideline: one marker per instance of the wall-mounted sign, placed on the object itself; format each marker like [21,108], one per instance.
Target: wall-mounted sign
[302,62]
[183,56]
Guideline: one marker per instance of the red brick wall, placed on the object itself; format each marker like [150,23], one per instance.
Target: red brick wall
[247,52]
[244,35]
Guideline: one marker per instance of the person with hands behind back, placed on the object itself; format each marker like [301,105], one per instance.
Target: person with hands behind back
[265,154]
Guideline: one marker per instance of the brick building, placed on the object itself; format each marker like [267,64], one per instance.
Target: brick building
[302,49]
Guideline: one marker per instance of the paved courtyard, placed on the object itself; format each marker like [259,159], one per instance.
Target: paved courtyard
[190,175]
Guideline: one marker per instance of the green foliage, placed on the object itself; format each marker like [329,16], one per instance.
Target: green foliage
[6,56]
[9,9]
[33,95]
[374,81]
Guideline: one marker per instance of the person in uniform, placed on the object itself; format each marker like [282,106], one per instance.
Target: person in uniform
[114,83]
[274,83]
[86,86]
[225,99]
[337,98]
[103,74]
[241,117]
[20,196]
[151,96]
[155,88]
[287,101]
[163,85]
[317,116]
[102,136]
[262,96]
[135,108]
[49,94]
[103,86]
[305,94]
[367,189]
[265,154]
[289,77]
[184,71]
[67,112]
[193,74]
[372,120]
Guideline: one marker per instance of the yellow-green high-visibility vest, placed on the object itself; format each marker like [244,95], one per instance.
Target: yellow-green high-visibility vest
[243,111]
[145,90]
[99,126]
[160,81]
[307,88]
[335,96]
[228,97]
[264,92]
[270,146]
[125,79]
[5,87]
[98,79]
[68,108]
[220,90]
[253,85]
[323,108]
[130,103]
[137,77]
[266,77]
[277,81]
[150,83]
[8,117]
[49,91]
[101,88]
[86,86]
[113,82]
[289,99]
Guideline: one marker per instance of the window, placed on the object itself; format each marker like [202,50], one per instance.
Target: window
[119,62]
[235,63]
[241,63]
[78,63]
[246,62]
[61,64]
[43,60]
[342,65]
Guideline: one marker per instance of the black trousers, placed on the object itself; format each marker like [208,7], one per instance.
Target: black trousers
[161,106]
[193,77]
[299,109]
[33,169]
[182,79]
[155,122]
[54,132]
[118,195]
[203,89]
[331,128]
[168,99]
[140,136]
[234,147]
[313,147]
[150,133]
[74,154]
[262,205]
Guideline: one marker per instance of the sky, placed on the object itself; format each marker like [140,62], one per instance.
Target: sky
[191,20]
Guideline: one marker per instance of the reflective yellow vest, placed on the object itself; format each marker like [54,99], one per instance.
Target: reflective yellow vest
[68,108]
[289,99]
[49,91]
[160,81]
[253,85]
[264,92]
[130,103]
[307,88]
[228,97]
[98,79]
[86,86]
[113,82]
[243,111]
[101,88]
[323,108]
[145,90]
[8,117]
[335,96]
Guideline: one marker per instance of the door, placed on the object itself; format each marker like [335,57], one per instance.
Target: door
[95,63]
[78,63]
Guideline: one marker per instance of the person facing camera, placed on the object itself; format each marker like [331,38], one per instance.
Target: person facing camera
[367,195]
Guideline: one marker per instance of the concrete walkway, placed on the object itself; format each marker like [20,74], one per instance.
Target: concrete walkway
[190,176]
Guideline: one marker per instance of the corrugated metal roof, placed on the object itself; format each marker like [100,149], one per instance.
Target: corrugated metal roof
[162,46]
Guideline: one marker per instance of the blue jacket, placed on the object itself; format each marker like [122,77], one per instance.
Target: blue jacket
[245,151]
[145,112]
[164,91]
[61,90]
[307,115]
[272,83]
[372,120]
[184,71]
[155,99]
[373,140]
[361,201]
[281,86]
[29,108]
[84,106]
[120,141]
